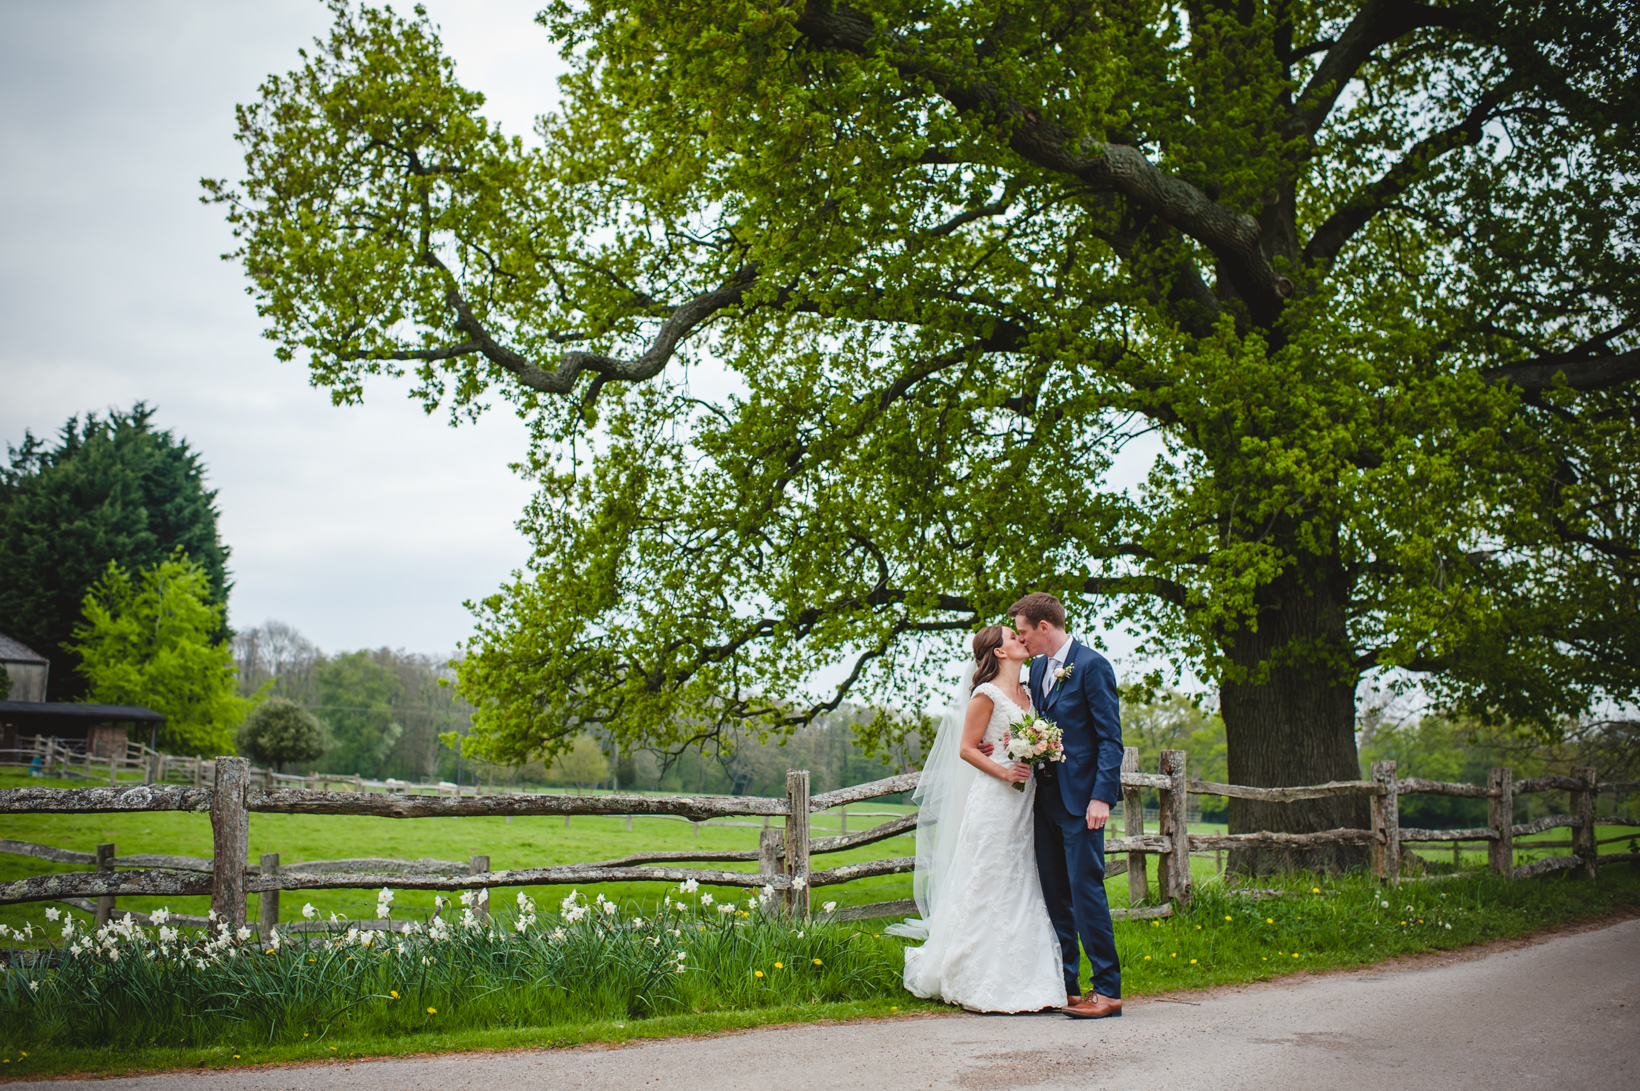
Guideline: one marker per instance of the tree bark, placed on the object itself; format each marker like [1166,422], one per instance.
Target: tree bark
[1295,724]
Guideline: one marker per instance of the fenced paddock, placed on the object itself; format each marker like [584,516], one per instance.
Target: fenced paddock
[785,854]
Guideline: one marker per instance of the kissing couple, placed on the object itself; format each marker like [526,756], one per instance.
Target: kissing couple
[1008,881]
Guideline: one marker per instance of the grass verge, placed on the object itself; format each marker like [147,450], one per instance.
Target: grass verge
[1291,925]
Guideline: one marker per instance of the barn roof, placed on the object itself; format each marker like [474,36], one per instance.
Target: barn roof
[15,651]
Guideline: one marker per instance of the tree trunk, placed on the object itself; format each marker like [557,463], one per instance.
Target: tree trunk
[1291,719]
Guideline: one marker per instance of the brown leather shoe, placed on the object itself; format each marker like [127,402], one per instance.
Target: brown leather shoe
[1094,1007]
[1072,1000]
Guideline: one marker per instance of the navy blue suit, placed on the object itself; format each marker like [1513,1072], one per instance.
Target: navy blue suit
[1069,856]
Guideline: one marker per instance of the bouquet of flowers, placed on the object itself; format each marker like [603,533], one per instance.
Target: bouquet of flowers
[1033,740]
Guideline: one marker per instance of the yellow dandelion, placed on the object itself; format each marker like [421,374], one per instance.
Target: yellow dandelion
[432,1011]
[394,993]
[780,965]
[1269,920]
[1147,958]
[236,1056]
[1175,954]
[1192,962]
[1227,918]
[1295,954]
[757,973]
[1315,890]
[817,962]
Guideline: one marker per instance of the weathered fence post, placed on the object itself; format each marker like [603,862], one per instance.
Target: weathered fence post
[1583,839]
[1500,816]
[105,865]
[230,839]
[770,851]
[797,841]
[113,769]
[478,865]
[1175,880]
[842,817]
[1386,823]
[269,867]
[1133,825]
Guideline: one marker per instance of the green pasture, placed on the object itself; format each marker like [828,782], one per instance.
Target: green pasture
[522,842]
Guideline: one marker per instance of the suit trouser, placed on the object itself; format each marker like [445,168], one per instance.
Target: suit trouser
[1071,860]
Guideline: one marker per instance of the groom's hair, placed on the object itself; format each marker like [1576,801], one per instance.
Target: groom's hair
[1037,607]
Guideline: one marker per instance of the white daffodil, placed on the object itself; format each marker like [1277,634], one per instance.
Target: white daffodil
[705,899]
[689,886]
[829,907]
[799,882]
[52,913]
[309,912]
[726,908]
[243,933]
[160,916]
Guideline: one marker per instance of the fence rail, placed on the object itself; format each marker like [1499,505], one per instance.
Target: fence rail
[784,855]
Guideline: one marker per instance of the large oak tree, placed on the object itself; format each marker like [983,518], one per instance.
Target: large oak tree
[1360,276]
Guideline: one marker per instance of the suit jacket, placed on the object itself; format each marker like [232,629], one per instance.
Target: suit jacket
[1088,713]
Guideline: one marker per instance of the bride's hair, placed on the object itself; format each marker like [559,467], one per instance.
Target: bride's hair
[986,664]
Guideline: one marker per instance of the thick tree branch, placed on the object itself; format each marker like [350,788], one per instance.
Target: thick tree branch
[1581,373]
[1338,228]
[682,320]
[1232,236]
[1377,23]
[1156,586]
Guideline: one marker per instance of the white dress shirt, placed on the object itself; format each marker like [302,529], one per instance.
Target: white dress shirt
[1055,661]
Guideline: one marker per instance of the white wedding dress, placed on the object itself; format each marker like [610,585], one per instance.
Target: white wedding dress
[991,947]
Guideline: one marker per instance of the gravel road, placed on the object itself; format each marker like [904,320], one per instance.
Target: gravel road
[1563,1013]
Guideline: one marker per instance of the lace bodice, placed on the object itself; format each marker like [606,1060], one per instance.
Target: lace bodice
[1004,713]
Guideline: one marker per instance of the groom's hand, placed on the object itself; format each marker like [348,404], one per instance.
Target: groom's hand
[1098,814]
[984,747]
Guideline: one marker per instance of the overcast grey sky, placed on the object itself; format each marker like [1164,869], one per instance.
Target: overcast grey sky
[362,526]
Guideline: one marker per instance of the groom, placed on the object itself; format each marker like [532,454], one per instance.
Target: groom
[1074,686]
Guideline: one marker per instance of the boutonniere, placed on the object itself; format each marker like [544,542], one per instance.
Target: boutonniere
[1062,675]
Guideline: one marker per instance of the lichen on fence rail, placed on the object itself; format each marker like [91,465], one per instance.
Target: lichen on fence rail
[140,797]
[383,805]
[1409,785]
[1475,833]
[1265,839]
[1285,795]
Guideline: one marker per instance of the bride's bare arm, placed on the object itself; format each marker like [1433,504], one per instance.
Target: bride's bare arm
[973,730]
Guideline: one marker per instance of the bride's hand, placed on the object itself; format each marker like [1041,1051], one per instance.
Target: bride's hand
[1017,773]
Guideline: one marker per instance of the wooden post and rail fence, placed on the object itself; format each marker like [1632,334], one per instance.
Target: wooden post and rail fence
[783,855]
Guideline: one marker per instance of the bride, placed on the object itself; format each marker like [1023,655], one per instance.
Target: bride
[990,945]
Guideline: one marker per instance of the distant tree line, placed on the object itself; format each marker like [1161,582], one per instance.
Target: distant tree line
[382,711]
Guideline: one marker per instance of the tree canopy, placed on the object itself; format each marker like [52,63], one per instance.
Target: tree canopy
[111,490]
[151,639]
[356,699]
[1358,279]
[279,731]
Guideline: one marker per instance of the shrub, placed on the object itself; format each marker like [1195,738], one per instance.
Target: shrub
[280,731]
